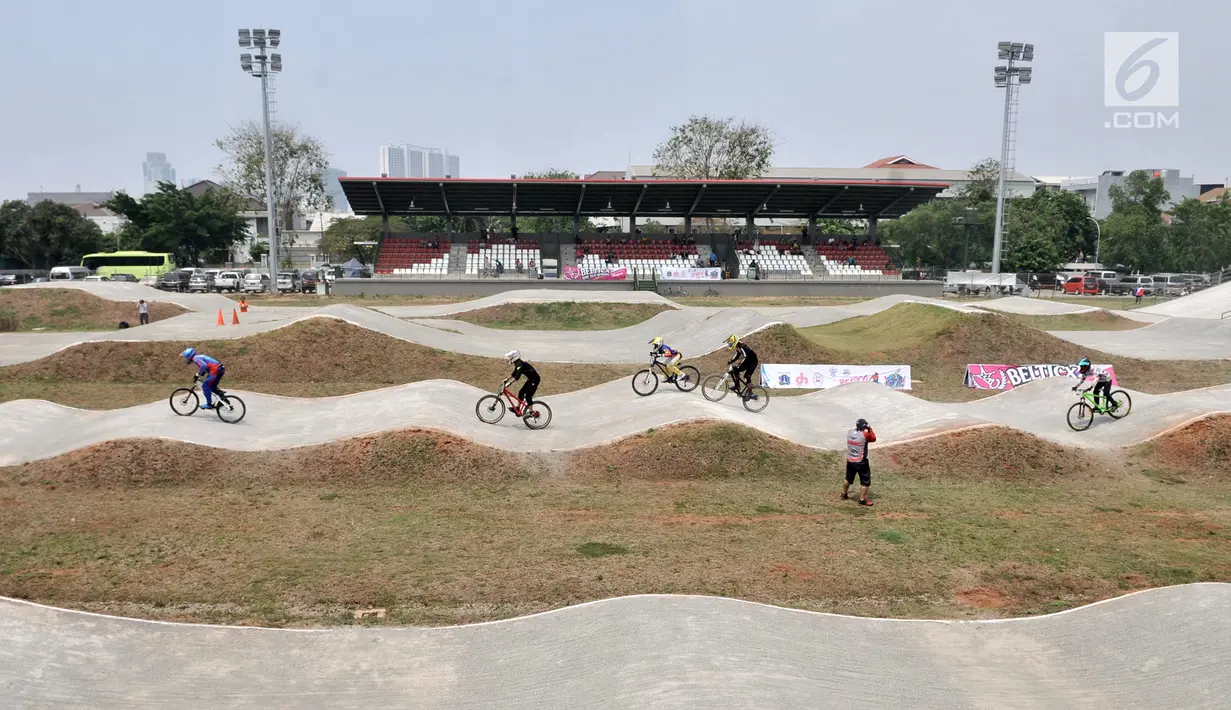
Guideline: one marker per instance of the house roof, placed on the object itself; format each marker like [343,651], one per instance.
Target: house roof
[898,161]
[201,187]
[68,198]
[93,209]
[1213,195]
[606,175]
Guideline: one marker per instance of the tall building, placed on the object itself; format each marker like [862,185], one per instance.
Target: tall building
[156,169]
[333,189]
[1096,191]
[407,160]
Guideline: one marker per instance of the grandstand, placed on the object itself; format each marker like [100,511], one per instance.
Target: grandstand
[774,259]
[413,256]
[854,261]
[644,258]
[517,257]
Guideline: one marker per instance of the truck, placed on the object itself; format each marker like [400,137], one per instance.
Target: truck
[977,282]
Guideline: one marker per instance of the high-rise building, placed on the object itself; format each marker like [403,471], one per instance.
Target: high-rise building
[407,160]
[333,189]
[156,169]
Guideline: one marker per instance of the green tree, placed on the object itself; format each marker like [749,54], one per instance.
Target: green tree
[715,148]
[984,181]
[1034,230]
[1134,234]
[189,226]
[299,162]
[549,225]
[1199,235]
[931,235]
[342,237]
[838,228]
[47,234]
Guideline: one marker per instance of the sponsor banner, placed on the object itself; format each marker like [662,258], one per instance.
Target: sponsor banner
[673,273]
[825,376]
[573,273]
[1006,377]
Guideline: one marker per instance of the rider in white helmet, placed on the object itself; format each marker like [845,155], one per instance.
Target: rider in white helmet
[521,368]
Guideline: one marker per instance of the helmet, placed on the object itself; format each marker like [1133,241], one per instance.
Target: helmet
[861,424]
[1083,364]
[188,354]
[657,341]
[732,341]
[512,355]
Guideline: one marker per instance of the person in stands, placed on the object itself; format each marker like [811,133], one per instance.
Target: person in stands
[857,441]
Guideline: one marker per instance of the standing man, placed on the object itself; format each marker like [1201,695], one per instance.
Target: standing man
[857,441]
[1138,293]
[143,312]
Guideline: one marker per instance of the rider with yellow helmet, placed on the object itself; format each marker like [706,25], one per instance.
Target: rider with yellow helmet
[748,363]
[671,357]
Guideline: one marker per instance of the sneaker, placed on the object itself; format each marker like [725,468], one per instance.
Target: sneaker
[671,380]
[865,501]
[207,406]
[843,496]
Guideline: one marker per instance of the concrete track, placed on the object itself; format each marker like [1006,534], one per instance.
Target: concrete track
[1170,339]
[33,429]
[1162,648]
[1211,303]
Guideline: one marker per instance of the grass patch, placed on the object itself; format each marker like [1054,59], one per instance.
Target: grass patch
[765,301]
[563,315]
[1097,320]
[312,300]
[64,309]
[441,531]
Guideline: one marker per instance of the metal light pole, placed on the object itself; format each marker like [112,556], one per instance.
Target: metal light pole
[265,64]
[1009,77]
[1098,244]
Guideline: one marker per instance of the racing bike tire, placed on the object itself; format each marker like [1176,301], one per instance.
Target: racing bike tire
[537,416]
[715,387]
[489,409]
[1121,398]
[645,382]
[184,401]
[761,401]
[690,379]
[230,409]
[1080,416]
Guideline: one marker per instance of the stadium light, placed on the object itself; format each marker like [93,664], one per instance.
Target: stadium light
[262,65]
[1010,77]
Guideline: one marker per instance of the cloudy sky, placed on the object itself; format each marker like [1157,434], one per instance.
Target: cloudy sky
[522,86]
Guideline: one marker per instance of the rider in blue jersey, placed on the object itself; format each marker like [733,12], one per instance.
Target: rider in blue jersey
[209,369]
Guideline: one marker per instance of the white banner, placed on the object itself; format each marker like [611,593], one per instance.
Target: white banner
[825,376]
[679,273]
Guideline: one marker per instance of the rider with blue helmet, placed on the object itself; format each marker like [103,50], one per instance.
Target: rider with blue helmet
[209,369]
[1102,382]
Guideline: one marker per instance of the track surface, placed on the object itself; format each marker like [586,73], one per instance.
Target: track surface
[1163,648]
[31,430]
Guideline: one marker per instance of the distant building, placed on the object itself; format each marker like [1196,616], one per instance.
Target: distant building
[109,222]
[333,189]
[405,160]
[1095,190]
[156,169]
[69,198]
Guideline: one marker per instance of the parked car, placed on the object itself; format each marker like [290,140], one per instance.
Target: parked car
[125,278]
[1170,284]
[228,281]
[149,281]
[288,281]
[175,280]
[14,279]
[1108,276]
[96,278]
[203,282]
[68,273]
[308,280]
[1084,285]
[1127,286]
[256,283]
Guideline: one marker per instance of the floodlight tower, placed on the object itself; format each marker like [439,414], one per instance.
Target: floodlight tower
[1009,77]
[263,65]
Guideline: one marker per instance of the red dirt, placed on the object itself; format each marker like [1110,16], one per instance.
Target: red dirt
[987,454]
[982,598]
[691,519]
[1202,447]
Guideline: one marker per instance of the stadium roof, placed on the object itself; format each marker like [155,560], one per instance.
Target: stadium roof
[776,198]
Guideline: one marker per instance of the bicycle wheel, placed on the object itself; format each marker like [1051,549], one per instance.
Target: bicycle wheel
[645,382]
[759,399]
[1080,416]
[1123,404]
[184,401]
[537,415]
[230,409]
[715,387]
[689,380]
[490,409]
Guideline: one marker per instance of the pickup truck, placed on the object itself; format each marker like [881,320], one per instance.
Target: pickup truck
[228,281]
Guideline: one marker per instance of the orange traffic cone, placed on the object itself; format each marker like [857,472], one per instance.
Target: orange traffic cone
[220,320]
[234,317]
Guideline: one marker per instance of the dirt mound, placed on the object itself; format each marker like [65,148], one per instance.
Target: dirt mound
[300,359]
[987,454]
[70,309]
[779,343]
[1094,320]
[563,315]
[400,457]
[1201,448]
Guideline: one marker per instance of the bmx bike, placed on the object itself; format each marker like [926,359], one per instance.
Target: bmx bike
[229,408]
[491,408]
[645,382]
[717,385]
[1081,414]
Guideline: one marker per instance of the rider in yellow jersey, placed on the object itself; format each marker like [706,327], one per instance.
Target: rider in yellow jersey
[671,357]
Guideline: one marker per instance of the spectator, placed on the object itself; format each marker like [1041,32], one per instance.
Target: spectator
[830,242]
[857,441]
[713,259]
[532,264]
[487,263]
[143,312]
[243,300]
[517,265]
[499,268]
[1137,294]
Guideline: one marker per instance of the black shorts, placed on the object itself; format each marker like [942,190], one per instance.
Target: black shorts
[526,394]
[863,469]
[747,369]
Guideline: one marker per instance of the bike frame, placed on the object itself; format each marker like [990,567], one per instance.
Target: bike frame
[222,396]
[515,402]
[1088,395]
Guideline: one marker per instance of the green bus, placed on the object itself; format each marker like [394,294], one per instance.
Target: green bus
[136,263]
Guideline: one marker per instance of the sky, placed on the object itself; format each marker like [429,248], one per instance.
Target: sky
[515,87]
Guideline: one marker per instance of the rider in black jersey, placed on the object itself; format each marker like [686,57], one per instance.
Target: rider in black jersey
[521,368]
[748,364]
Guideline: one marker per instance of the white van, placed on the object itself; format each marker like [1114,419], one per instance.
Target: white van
[68,273]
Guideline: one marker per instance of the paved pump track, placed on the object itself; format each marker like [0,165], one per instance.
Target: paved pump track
[1162,648]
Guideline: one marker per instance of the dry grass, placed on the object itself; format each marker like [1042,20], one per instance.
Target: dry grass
[311,300]
[46,309]
[441,531]
[765,301]
[563,315]
[1097,320]
[314,357]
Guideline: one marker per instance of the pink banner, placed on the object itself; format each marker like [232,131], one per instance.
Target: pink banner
[1007,377]
[572,273]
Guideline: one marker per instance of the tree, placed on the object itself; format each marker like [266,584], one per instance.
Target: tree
[838,228]
[1199,236]
[1034,230]
[47,234]
[551,225]
[299,163]
[179,222]
[341,237]
[715,148]
[931,235]
[1134,235]
[984,181]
